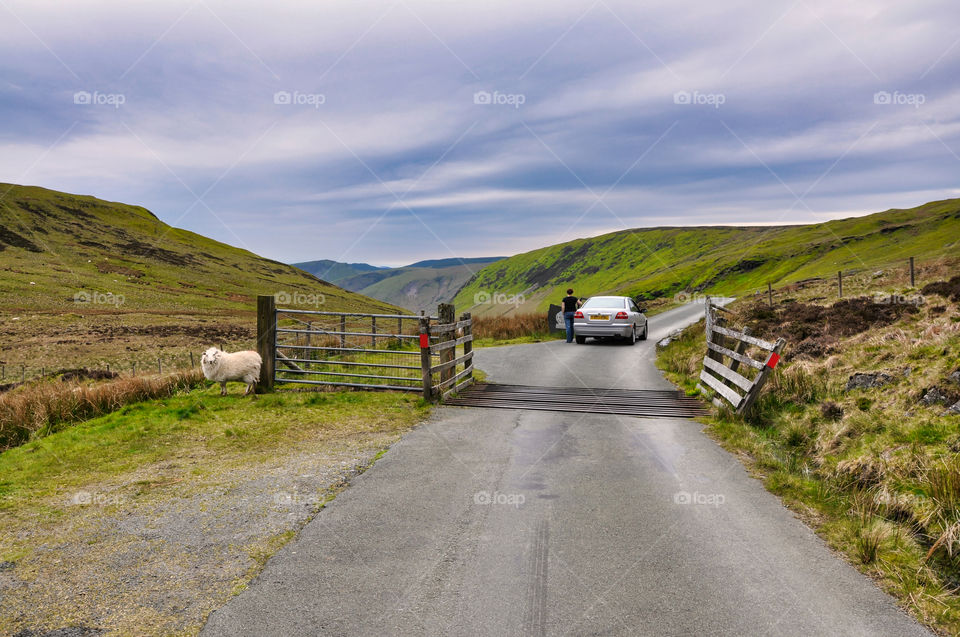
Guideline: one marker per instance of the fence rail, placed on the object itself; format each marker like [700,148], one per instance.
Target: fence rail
[368,351]
[724,379]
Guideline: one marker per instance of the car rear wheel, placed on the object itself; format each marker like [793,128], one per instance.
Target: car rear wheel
[643,336]
[581,339]
[633,336]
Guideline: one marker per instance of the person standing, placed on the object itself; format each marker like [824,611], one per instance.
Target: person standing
[569,307]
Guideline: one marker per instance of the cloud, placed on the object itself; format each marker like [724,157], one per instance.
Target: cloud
[586,100]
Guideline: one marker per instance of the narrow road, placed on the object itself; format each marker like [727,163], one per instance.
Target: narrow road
[507,522]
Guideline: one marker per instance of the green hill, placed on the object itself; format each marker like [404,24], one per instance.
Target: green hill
[86,282]
[661,262]
[58,248]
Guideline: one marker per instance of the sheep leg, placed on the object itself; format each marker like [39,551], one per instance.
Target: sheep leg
[223,388]
[248,389]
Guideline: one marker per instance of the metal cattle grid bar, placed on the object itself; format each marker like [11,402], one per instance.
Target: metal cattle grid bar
[627,402]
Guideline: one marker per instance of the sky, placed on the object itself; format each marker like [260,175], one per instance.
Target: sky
[390,132]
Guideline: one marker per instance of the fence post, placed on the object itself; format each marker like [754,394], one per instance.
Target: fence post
[840,284]
[266,340]
[711,337]
[425,359]
[343,333]
[373,330]
[191,359]
[468,346]
[159,366]
[770,294]
[912,279]
[447,315]
[400,331]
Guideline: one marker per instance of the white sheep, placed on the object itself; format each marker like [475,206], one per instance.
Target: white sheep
[222,367]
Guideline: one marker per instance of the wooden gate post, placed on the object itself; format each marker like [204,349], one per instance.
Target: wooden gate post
[912,279]
[447,315]
[373,331]
[266,341]
[425,358]
[840,284]
[468,346]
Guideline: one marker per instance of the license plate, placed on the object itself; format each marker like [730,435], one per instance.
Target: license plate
[599,317]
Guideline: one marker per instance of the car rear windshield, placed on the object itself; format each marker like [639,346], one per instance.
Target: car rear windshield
[605,301]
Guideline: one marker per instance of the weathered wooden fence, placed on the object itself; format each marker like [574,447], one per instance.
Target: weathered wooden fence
[401,352]
[725,379]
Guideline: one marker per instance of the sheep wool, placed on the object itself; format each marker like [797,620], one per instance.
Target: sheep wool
[222,367]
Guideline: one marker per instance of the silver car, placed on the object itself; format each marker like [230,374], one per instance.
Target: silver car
[610,316]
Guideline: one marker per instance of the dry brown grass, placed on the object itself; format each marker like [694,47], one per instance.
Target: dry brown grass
[42,407]
[512,326]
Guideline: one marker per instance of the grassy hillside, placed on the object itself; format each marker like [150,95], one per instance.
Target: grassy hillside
[661,262]
[87,282]
[858,430]
[419,286]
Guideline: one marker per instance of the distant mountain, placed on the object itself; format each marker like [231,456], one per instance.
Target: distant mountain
[334,271]
[419,286]
[446,263]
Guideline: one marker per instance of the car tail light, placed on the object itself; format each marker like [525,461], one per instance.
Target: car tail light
[578,315]
[621,315]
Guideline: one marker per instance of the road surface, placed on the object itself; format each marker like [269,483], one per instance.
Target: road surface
[506,522]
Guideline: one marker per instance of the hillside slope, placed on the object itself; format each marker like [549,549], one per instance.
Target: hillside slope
[56,248]
[661,262]
[91,282]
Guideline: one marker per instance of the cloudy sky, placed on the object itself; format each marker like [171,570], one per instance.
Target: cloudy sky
[389,132]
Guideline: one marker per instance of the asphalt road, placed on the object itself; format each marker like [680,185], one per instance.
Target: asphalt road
[506,522]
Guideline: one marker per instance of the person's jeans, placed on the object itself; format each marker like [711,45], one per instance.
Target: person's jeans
[568,319]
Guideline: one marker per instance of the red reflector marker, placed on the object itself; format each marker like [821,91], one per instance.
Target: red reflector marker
[774,359]
[424,341]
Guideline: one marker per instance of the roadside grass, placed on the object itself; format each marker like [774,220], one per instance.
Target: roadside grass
[874,471]
[87,510]
[44,407]
[233,428]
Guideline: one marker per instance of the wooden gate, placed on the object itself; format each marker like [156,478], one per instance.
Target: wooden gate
[726,379]
[400,352]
